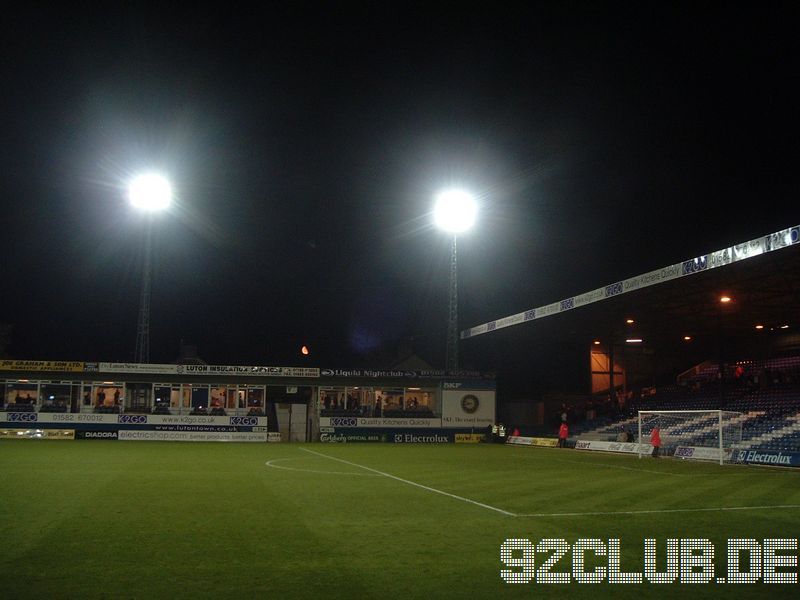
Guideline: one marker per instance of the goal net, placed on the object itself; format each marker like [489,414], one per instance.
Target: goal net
[694,434]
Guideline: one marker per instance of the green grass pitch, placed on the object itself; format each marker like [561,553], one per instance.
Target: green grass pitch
[108,519]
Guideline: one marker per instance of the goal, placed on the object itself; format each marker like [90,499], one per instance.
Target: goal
[696,434]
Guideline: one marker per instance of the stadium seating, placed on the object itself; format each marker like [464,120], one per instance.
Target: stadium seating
[766,393]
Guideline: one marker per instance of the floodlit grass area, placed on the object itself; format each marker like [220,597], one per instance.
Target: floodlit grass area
[110,519]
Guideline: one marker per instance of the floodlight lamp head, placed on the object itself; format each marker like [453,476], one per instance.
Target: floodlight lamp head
[455,210]
[150,192]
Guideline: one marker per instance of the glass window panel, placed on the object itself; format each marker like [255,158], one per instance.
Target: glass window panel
[419,400]
[391,399]
[175,397]
[86,396]
[137,397]
[332,398]
[162,398]
[219,396]
[231,397]
[200,396]
[255,398]
[22,395]
[55,397]
[76,389]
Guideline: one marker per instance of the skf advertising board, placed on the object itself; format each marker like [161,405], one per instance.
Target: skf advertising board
[463,406]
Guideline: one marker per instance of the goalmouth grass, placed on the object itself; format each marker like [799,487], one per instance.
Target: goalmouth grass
[110,519]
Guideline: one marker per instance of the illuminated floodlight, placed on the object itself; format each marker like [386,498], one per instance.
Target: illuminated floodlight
[759,327]
[596,342]
[151,192]
[455,210]
[784,327]
[724,299]
[687,338]
[629,321]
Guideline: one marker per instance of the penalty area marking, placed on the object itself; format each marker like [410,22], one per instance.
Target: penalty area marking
[271,463]
[419,485]
[562,514]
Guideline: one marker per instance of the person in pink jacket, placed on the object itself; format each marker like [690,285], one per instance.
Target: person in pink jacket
[563,432]
[655,440]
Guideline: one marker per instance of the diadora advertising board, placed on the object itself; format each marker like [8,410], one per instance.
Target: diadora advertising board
[464,404]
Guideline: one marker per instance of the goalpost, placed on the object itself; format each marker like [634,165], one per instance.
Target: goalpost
[695,434]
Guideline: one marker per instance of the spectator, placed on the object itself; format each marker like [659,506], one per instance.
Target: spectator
[563,433]
[655,440]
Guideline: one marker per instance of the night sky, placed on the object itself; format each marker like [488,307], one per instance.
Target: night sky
[305,143]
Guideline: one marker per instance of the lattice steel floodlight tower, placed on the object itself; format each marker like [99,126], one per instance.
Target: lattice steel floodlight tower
[454,212]
[151,193]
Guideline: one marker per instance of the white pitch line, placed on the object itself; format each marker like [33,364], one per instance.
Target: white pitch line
[419,485]
[657,511]
[271,463]
[620,467]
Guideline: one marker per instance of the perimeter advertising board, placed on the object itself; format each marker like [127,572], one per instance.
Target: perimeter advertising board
[624,447]
[532,441]
[701,453]
[398,436]
[41,365]
[351,436]
[191,436]
[90,426]
[764,457]
[470,438]
[27,434]
[379,422]
[465,406]
[238,370]
[13,418]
